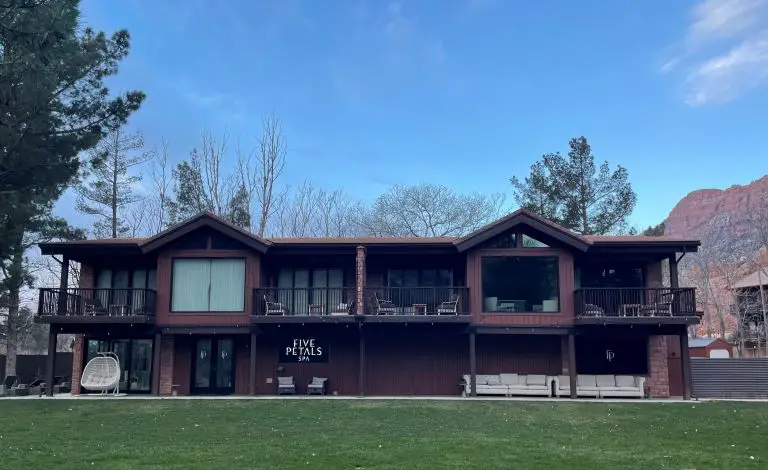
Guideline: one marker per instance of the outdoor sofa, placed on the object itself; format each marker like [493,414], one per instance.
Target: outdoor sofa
[509,385]
[602,386]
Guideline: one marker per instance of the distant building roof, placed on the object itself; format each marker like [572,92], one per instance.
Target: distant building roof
[757,278]
[700,342]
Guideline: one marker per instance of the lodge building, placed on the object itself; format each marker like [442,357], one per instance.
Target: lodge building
[205,307]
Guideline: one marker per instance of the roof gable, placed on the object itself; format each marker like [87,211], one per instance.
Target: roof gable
[204,220]
[515,219]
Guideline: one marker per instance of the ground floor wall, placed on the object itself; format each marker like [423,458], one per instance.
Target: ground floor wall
[407,360]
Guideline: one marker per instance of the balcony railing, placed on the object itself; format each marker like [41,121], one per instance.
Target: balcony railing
[304,301]
[416,300]
[635,302]
[93,302]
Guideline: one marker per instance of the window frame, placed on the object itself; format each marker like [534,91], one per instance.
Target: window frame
[205,312]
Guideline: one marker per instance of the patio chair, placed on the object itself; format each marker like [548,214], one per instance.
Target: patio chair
[662,305]
[286,386]
[274,308]
[450,307]
[384,307]
[102,374]
[592,310]
[317,386]
[93,306]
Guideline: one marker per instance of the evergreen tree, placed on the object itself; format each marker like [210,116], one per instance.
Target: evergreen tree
[110,190]
[575,193]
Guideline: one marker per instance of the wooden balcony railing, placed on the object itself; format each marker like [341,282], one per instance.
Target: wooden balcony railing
[635,302]
[304,301]
[416,300]
[93,302]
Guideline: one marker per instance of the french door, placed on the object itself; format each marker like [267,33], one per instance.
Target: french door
[213,371]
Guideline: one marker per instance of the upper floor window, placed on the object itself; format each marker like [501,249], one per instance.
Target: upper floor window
[507,240]
[208,285]
[530,242]
[520,284]
[420,278]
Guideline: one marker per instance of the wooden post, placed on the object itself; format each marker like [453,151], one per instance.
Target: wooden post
[572,364]
[156,364]
[63,284]
[674,283]
[51,361]
[472,364]
[252,383]
[361,372]
[685,360]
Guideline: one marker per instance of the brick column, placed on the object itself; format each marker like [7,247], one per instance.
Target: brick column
[360,279]
[167,352]
[657,381]
[77,363]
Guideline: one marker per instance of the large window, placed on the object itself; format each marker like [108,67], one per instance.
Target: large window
[298,288]
[520,284]
[208,285]
[420,278]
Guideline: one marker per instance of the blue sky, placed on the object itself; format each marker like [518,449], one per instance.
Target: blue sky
[462,92]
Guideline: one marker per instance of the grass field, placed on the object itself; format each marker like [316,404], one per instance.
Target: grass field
[367,434]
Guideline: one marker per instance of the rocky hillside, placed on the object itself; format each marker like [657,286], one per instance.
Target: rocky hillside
[700,210]
[721,219]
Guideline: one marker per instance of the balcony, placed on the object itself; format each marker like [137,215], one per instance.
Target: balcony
[636,305]
[421,303]
[299,304]
[96,305]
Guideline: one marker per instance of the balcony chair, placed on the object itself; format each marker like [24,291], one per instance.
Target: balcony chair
[286,386]
[662,305]
[93,306]
[317,386]
[384,307]
[273,308]
[592,310]
[450,307]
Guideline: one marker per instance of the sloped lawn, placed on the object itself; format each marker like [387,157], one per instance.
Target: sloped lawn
[366,434]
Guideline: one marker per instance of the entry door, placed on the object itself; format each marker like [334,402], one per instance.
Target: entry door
[214,371]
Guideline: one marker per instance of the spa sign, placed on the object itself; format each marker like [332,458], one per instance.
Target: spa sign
[304,350]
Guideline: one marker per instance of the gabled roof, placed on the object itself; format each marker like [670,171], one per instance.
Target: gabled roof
[204,220]
[700,342]
[755,279]
[518,217]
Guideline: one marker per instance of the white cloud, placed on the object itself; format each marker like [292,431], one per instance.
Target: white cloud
[724,53]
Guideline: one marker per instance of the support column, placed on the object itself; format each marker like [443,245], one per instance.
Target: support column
[658,368]
[360,280]
[252,382]
[167,354]
[50,366]
[156,363]
[674,283]
[361,372]
[685,361]
[472,364]
[77,363]
[572,364]
[63,284]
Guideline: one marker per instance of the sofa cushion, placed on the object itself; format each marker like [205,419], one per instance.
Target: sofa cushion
[605,381]
[608,389]
[586,381]
[536,379]
[528,387]
[588,388]
[481,379]
[628,389]
[564,381]
[493,380]
[509,379]
[625,381]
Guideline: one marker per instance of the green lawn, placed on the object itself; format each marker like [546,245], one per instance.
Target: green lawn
[367,434]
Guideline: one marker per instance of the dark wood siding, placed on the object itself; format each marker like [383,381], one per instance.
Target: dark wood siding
[182,362]
[242,346]
[522,354]
[341,370]
[474,281]
[164,271]
[415,359]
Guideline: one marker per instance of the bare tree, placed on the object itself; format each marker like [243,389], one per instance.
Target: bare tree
[428,210]
[310,211]
[158,205]
[259,171]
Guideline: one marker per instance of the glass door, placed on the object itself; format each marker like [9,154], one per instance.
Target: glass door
[213,367]
[121,348]
[140,372]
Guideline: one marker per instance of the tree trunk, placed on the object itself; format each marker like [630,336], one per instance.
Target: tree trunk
[13,324]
